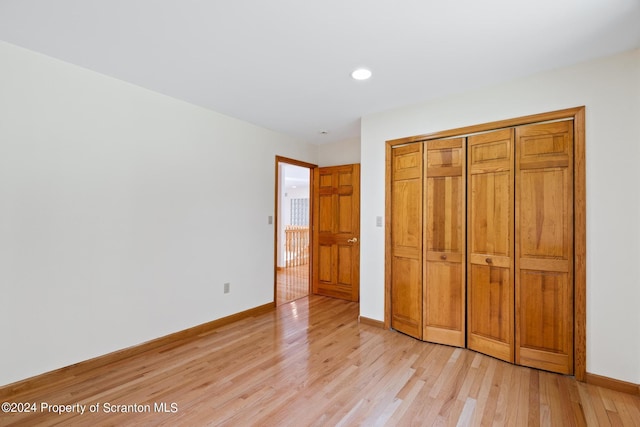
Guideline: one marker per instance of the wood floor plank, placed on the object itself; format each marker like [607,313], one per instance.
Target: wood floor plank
[628,408]
[408,401]
[533,418]
[310,363]
[292,283]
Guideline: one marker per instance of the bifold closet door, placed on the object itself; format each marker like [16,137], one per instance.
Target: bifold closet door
[406,240]
[490,244]
[444,287]
[544,246]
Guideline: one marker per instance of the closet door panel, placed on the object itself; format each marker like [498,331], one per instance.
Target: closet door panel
[444,290]
[545,232]
[444,304]
[407,215]
[490,304]
[491,213]
[406,297]
[544,246]
[445,214]
[490,278]
[406,240]
[545,323]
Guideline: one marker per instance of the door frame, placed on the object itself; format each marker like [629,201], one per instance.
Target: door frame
[312,168]
[576,114]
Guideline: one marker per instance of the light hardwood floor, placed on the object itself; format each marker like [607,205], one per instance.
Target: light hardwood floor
[293,283]
[311,363]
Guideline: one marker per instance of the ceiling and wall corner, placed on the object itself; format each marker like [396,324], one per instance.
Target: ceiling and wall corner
[286,65]
[339,153]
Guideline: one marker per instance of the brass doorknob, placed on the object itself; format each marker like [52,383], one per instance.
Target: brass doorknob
[353,240]
[489,260]
[443,257]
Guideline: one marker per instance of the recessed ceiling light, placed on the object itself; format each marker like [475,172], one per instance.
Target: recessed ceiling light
[361,74]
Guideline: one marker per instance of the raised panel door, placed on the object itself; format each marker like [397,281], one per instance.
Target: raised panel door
[337,232]
[490,306]
[444,288]
[406,240]
[544,246]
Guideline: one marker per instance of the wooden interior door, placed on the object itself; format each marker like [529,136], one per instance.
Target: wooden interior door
[406,240]
[445,213]
[337,232]
[544,246]
[490,307]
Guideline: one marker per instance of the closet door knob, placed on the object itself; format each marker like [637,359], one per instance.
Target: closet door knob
[443,257]
[489,261]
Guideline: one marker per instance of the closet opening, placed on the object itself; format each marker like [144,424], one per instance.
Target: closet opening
[486,247]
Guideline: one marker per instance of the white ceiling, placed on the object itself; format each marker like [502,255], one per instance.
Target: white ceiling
[286,64]
[295,176]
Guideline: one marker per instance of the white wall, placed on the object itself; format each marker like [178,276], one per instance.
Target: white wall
[122,213]
[339,153]
[610,90]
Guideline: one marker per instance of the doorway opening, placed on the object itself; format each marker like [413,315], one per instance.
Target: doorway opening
[293,230]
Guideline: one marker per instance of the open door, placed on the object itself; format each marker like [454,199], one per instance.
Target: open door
[293,248]
[336,219]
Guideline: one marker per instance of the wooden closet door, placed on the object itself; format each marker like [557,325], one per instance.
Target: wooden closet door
[406,240]
[444,290]
[490,244]
[544,246]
